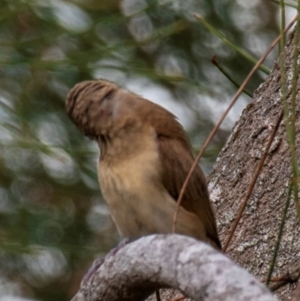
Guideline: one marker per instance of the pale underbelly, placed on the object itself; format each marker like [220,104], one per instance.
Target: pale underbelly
[138,209]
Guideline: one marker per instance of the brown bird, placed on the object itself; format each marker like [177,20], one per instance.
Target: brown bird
[145,156]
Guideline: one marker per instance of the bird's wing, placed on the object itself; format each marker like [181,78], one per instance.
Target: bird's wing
[177,161]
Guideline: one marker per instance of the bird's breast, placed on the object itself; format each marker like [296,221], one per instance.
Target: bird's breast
[130,184]
[138,202]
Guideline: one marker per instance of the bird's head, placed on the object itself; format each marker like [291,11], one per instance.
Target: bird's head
[91,106]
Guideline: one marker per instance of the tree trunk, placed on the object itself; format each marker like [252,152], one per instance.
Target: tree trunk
[253,243]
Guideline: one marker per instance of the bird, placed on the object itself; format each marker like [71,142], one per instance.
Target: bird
[145,156]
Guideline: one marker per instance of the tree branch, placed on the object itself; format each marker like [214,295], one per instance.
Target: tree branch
[199,271]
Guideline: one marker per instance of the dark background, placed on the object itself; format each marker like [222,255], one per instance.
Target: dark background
[53,220]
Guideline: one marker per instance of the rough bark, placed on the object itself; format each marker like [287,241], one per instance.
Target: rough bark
[199,271]
[254,240]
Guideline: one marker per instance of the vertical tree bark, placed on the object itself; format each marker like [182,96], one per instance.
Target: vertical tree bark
[253,243]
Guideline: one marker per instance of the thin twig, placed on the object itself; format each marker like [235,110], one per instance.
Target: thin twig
[228,76]
[215,129]
[180,298]
[292,128]
[285,3]
[291,276]
[226,41]
[282,24]
[277,279]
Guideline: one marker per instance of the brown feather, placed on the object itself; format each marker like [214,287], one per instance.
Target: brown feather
[145,158]
[176,159]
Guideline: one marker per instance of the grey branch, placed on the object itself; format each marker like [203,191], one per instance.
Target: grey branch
[196,269]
